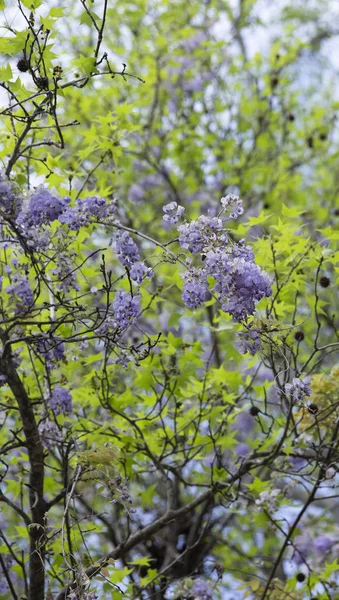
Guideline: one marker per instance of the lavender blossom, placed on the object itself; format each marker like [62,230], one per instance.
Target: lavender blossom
[298,389]
[172,212]
[9,202]
[74,218]
[240,283]
[52,350]
[233,203]
[106,326]
[136,193]
[127,250]
[60,400]
[197,234]
[242,450]
[322,544]
[195,290]
[80,215]
[94,206]
[202,589]
[249,341]
[243,425]
[139,271]
[126,308]
[65,275]
[21,291]
[42,207]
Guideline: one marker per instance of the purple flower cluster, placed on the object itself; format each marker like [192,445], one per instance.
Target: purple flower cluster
[106,326]
[242,450]
[80,215]
[172,212]
[8,200]
[322,544]
[126,308]
[60,400]
[21,291]
[202,589]
[42,207]
[306,547]
[137,190]
[298,389]
[249,341]
[128,255]
[240,283]
[139,271]
[52,350]
[127,250]
[194,236]
[234,204]
[65,275]
[195,290]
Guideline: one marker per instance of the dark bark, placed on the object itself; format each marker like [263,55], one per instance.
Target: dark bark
[36,476]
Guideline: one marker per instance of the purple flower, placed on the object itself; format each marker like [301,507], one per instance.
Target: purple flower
[65,275]
[23,293]
[239,281]
[90,596]
[202,589]
[127,250]
[197,234]
[322,544]
[106,326]
[298,388]
[297,462]
[242,450]
[150,181]
[193,85]
[139,271]
[233,203]
[191,238]
[243,285]
[9,202]
[172,212]
[95,206]
[136,193]
[51,349]
[249,341]
[243,425]
[74,218]
[80,215]
[42,208]
[126,308]
[60,400]
[195,290]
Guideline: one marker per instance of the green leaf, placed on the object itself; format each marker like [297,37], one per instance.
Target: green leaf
[32,4]
[291,212]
